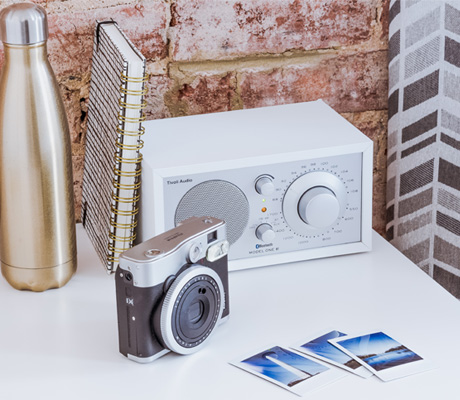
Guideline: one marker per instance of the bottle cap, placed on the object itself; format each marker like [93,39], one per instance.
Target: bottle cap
[23,24]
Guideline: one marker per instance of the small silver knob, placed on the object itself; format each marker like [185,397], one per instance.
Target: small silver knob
[265,233]
[265,186]
[194,253]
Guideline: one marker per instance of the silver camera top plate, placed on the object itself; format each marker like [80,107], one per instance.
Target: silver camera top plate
[152,261]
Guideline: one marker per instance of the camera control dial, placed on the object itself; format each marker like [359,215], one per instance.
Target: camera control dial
[194,253]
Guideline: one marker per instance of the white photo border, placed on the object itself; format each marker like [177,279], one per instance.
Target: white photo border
[360,371]
[391,373]
[331,375]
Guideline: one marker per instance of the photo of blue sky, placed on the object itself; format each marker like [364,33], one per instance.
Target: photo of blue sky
[284,366]
[323,348]
[379,350]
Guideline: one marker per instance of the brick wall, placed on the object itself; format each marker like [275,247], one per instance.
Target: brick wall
[218,55]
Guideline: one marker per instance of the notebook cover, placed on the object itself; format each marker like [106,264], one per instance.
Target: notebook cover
[111,178]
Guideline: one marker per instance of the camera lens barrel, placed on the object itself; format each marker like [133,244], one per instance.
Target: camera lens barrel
[191,309]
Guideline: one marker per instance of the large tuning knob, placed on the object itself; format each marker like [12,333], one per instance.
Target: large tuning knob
[314,202]
[319,207]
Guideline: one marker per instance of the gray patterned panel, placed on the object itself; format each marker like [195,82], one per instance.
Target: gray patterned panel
[419,127]
[423,169]
[418,146]
[452,52]
[414,203]
[394,45]
[416,178]
[422,27]
[421,90]
[450,141]
[393,103]
[450,121]
[446,252]
[450,281]
[452,18]
[415,223]
[448,200]
[422,58]
[395,9]
[393,74]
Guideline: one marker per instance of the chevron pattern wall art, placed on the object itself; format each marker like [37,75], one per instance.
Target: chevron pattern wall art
[423,176]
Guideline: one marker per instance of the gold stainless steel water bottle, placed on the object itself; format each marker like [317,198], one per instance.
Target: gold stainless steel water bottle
[37,223]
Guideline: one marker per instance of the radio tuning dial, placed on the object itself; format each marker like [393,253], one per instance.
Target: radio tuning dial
[264,185]
[319,207]
[313,202]
[265,233]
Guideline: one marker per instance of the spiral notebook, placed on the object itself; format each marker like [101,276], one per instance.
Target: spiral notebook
[112,169]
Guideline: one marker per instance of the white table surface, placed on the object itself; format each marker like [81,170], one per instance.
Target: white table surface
[63,344]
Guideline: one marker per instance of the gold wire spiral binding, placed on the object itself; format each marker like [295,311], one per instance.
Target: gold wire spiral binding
[124,160]
[123,226]
[129,120]
[124,213]
[123,239]
[122,146]
[119,173]
[125,246]
[111,260]
[132,106]
[133,79]
[116,251]
[136,133]
[131,92]
[123,186]
[125,199]
[128,174]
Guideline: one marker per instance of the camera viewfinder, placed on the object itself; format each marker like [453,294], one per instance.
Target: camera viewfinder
[212,236]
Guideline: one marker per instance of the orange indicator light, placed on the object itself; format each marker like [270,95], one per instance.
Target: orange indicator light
[264,209]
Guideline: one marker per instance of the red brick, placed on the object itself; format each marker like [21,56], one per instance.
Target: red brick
[72,104]
[77,164]
[70,44]
[157,87]
[216,29]
[207,93]
[347,83]
[385,18]
[75,93]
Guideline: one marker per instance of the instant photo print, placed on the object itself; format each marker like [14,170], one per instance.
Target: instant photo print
[290,370]
[318,346]
[382,355]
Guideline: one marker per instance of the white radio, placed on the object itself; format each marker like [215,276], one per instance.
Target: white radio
[292,182]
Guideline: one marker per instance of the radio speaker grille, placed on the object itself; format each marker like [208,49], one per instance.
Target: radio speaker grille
[218,199]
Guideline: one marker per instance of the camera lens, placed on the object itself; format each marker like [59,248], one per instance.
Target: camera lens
[191,309]
[197,310]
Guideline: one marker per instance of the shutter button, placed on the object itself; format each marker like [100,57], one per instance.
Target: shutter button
[152,253]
